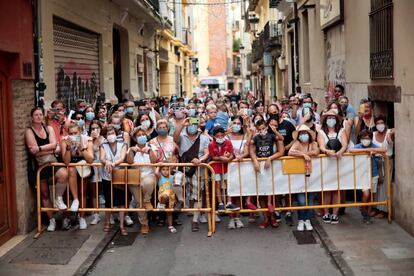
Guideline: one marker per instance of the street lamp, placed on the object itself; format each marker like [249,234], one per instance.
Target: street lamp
[253,21]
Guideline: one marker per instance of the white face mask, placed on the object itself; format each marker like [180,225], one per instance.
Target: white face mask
[381,127]
[366,142]
[220,140]
[111,138]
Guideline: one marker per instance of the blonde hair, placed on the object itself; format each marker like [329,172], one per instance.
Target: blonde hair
[162,121]
[211,107]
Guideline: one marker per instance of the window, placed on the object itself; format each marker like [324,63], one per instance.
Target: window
[381,39]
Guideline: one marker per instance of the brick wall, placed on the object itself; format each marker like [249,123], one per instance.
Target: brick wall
[217,39]
[23,102]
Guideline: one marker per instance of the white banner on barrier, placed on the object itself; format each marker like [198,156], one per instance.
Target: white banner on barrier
[324,174]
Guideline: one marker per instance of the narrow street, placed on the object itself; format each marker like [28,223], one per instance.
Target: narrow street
[248,251]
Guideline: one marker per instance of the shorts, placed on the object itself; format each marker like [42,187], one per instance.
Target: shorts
[374,184]
[167,193]
[219,177]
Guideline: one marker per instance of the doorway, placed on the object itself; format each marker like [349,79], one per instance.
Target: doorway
[7,194]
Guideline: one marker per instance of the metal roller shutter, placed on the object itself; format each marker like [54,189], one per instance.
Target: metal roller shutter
[76,53]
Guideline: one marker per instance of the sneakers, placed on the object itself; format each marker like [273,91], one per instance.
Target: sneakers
[111,220]
[308,225]
[232,224]
[278,217]
[221,208]
[327,218]
[366,220]
[289,219]
[75,205]
[334,219]
[160,206]
[52,225]
[95,219]
[230,206]
[218,218]
[60,204]
[128,221]
[66,224]
[202,218]
[172,229]
[101,199]
[82,223]
[239,223]
[301,225]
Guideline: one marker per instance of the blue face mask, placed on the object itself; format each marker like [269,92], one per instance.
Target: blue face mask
[304,138]
[117,127]
[192,129]
[142,140]
[236,128]
[129,110]
[331,122]
[249,112]
[192,112]
[162,132]
[308,105]
[90,116]
[81,122]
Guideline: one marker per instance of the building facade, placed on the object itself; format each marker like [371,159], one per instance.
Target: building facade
[175,48]
[366,47]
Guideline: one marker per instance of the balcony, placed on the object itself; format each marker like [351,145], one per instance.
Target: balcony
[155,4]
[187,37]
[269,40]
[236,71]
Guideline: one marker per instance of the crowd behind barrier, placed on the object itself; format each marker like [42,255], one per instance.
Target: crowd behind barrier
[211,154]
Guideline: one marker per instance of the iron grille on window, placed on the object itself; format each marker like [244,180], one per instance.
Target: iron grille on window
[381,39]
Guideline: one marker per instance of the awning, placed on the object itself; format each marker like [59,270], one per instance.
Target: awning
[209,82]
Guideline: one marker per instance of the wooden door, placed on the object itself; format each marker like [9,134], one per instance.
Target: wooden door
[7,218]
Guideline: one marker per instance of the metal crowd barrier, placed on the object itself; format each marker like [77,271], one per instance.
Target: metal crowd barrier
[289,206]
[129,174]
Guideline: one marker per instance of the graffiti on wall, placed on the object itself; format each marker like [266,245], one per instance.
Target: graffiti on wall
[335,60]
[76,81]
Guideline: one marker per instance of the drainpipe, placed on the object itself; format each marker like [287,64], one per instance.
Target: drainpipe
[296,37]
[40,86]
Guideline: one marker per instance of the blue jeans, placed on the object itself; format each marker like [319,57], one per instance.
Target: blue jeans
[308,213]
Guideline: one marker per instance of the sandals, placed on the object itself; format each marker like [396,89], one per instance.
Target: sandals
[123,231]
[172,229]
[107,227]
[178,222]
[160,223]
[270,208]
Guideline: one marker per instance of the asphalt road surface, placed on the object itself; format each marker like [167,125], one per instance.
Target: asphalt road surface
[248,251]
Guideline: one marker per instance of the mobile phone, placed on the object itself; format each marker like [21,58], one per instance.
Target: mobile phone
[194,121]
[362,108]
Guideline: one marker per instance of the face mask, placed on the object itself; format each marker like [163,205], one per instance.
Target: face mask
[381,127]
[111,138]
[249,112]
[146,123]
[179,114]
[236,128]
[129,110]
[191,112]
[117,127]
[81,122]
[142,112]
[90,116]
[263,132]
[344,107]
[304,137]
[220,140]
[76,138]
[331,122]
[103,120]
[142,140]
[81,109]
[306,110]
[162,132]
[366,142]
[192,129]
[308,105]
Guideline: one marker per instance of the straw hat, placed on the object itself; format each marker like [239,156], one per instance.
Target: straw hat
[330,112]
[304,128]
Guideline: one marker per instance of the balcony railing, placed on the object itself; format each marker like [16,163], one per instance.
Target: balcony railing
[269,39]
[155,4]
[236,71]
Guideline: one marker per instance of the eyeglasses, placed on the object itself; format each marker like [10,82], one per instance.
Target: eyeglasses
[79,118]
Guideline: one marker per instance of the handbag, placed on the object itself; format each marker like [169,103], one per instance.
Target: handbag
[189,155]
[47,158]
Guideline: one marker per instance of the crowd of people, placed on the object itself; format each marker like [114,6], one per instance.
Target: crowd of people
[218,127]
